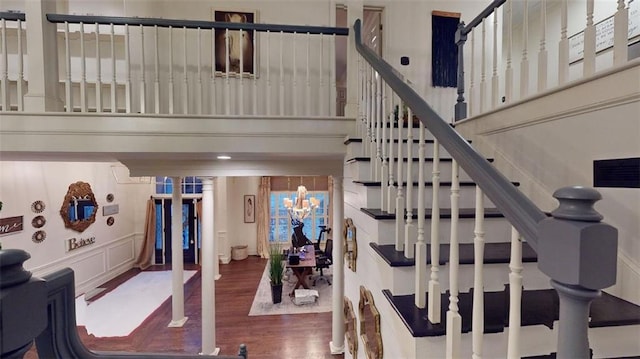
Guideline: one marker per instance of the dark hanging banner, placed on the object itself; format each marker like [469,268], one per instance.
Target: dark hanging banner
[444,52]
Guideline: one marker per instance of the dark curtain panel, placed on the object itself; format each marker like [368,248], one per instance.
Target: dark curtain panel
[444,52]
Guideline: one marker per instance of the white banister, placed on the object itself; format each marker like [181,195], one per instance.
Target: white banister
[384,178]
[67,82]
[281,98]
[114,101]
[143,70]
[172,108]
[20,82]
[185,80]
[542,55]
[391,188]
[589,64]
[409,248]
[454,320]
[620,34]
[483,65]
[127,56]
[421,246]
[508,87]
[294,69]
[563,45]
[434,305]
[156,72]
[98,72]
[5,67]
[213,95]
[400,210]
[515,296]
[307,102]
[495,89]
[478,277]
[524,62]
[240,75]
[83,72]
[199,81]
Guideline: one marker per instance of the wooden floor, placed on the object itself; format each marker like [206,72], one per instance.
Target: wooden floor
[304,336]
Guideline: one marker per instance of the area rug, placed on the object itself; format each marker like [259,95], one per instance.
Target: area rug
[263,305]
[123,309]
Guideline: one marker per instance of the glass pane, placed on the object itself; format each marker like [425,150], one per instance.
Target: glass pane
[283,233]
[168,187]
[185,226]
[272,229]
[198,188]
[158,226]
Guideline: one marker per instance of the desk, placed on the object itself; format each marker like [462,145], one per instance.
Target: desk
[303,269]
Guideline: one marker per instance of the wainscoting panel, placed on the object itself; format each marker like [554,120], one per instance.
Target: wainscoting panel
[120,253]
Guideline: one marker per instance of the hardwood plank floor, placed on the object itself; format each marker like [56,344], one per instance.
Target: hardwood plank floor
[304,336]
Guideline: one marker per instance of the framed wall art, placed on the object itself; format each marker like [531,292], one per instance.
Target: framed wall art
[249,208]
[242,44]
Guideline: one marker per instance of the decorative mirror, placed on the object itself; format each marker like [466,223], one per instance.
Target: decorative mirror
[350,243]
[79,207]
[369,325]
[350,327]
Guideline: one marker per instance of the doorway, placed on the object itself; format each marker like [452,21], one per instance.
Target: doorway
[191,231]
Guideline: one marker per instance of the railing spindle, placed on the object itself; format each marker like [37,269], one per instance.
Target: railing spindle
[255,74]
[483,56]
[114,100]
[478,278]
[368,151]
[5,67]
[156,73]
[384,170]
[495,87]
[172,107]
[307,101]
[269,86]
[621,33]
[127,55]
[542,55]
[524,63]
[509,71]
[199,86]
[332,76]
[409,249]
[227,92]
[400,202]
[185,79]
[83,72]
[421,246]
[563,45]
[515,295]
[321,104]
[143,74]
[435,302]
[454,320]
[281,93]
[589,64]
[472,77]
[294,70]
[391,188]
[212,81]
[98,72]
[20,83]
[378,117]
[240,75]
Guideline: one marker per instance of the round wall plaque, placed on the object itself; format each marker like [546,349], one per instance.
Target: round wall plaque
[110,221]
[110,197]
[39,236]
[38,222]
[37,206]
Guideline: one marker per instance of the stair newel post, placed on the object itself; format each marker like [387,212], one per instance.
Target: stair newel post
[461,106]
[434,305]
[384,177]
[409,249]
[515,296]
[421,246]
[478,277]
[391,187]
[454,320]
[579,253]
[400,210]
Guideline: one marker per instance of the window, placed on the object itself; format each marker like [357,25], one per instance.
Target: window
[281,229]
[190,185]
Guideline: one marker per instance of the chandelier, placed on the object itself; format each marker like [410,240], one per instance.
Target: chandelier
[300,207]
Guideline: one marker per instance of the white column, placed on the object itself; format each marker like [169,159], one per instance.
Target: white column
[337,328]
[208,260]
[177,268]
[42,49]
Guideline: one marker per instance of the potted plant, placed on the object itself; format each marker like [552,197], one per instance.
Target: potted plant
[276,271]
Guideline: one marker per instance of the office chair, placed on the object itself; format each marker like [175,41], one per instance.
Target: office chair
[316,246]
[323,261]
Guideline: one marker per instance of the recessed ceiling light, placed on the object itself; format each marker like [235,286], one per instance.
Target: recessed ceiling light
[224,157]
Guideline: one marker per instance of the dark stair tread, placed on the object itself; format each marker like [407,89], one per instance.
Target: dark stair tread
[415,183]
[378,213]
[539,307]
[493,253]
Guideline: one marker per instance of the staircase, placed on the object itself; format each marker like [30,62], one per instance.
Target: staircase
[614,323]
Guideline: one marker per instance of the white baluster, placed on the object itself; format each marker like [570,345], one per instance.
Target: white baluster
[483,83]
[434,305]
[227,105]
[20,83]
[391,188]
[294,69]
[214,107]
[281,99]
[199,86]
[408,241]
[367,145]
[114,100]
[542,55]
[321,90]
[5,68]
[269,87]
[156,74]
[241,79]
[478,278]
[472,77]
[495,87]
[332,76]
[515,296]
[524,63]
[143,73]
[127,56]
[454,320]
[185,81]
[83,72]
[98,72]
[563,45]
[509,71]
[421,246]
[400,203]
[589,64]
[377,115]
[255,74]
[621,33]
[171,85]
[384,170]
[307,101]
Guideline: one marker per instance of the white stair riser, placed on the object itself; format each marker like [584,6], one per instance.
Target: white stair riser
[369,196]
[356,149]
[361,170]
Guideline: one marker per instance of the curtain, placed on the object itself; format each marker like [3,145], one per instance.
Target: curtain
[262,216]
[145,257]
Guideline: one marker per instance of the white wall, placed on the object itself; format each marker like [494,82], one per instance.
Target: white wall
[240,233]
[115,247]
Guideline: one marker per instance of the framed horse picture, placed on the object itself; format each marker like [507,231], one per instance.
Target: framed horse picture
[235,49]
